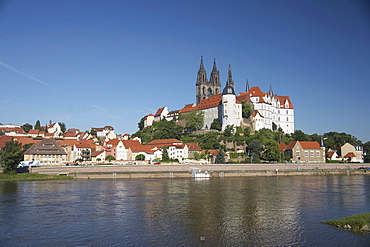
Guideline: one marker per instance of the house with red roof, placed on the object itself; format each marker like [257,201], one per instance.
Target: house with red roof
[306,152]
[55,129]
[12,130]
[102,132]
[175,148]
[352,152]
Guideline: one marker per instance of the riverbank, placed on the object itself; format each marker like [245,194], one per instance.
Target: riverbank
[216,170]
[29,177]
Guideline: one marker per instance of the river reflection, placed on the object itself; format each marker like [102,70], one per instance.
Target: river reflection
[253,211]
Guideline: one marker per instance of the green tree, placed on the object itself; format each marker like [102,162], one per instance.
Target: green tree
[335,139]
[194,120]
[26,127]
[209,141]
[229,130]
[220,158]
[215,125]
[165,156]
[246,109]
[26,146]
[160,130]
[62,127]
[93,132]
[140,157]
[110,158]
[140,124]
[37,125]
[255,147]
[11,155]
[299,135]
[271,152]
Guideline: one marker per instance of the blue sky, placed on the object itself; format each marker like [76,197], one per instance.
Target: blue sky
[96,63]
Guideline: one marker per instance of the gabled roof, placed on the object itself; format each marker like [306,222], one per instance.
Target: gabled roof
[255,113]
[96,153]
[283,99]
[243,97]
[46,146]
[330,154]
[159,112]
[304,145]
[349,155]
[193,146]
[255,92]
[282,146]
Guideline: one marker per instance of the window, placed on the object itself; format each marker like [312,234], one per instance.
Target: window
[305,153]
[297,153]
[317,153]
[312,153]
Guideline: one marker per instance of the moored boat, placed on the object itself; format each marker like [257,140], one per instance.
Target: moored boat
[197,173]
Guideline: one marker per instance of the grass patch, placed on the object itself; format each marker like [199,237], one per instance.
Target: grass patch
[30,177]
[356,223]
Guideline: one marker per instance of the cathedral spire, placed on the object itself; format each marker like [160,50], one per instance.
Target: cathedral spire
[230,81]
[270,91]
[202,74]
[215,75]
[247,87]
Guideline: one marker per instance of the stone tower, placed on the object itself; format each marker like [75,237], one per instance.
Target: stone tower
[231,113]
[205,88]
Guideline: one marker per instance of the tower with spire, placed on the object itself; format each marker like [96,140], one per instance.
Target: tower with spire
[231,113]
[205,88]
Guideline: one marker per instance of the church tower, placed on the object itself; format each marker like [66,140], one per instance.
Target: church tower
[231,113]
[205,88]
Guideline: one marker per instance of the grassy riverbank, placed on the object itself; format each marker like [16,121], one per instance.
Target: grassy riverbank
[30,177]
[355,223]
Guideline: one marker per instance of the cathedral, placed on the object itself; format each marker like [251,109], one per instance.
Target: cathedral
[270,111]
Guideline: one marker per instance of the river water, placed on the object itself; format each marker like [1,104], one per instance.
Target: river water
[244,211]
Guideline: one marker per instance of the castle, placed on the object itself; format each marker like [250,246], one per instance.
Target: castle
[269,110]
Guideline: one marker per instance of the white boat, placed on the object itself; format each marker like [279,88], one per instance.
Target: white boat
[200,174]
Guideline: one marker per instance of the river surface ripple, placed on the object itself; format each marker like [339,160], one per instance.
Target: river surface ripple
[243,211]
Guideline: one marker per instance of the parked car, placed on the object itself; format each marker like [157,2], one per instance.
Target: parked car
[157,163]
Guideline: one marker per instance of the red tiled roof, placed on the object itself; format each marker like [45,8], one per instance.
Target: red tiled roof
[193,146]
[159,112]
[255,92]
[282,146]
[282,100]
[256,112]
[4,139]
[96,153]
[349,155]
[244,97]
[330,154]
[304,145]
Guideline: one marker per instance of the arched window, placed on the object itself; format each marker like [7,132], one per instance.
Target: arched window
[209,92]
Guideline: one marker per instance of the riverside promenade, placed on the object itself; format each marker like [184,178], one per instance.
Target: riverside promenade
[216,170]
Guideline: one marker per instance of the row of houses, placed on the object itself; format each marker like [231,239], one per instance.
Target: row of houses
[313,152]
